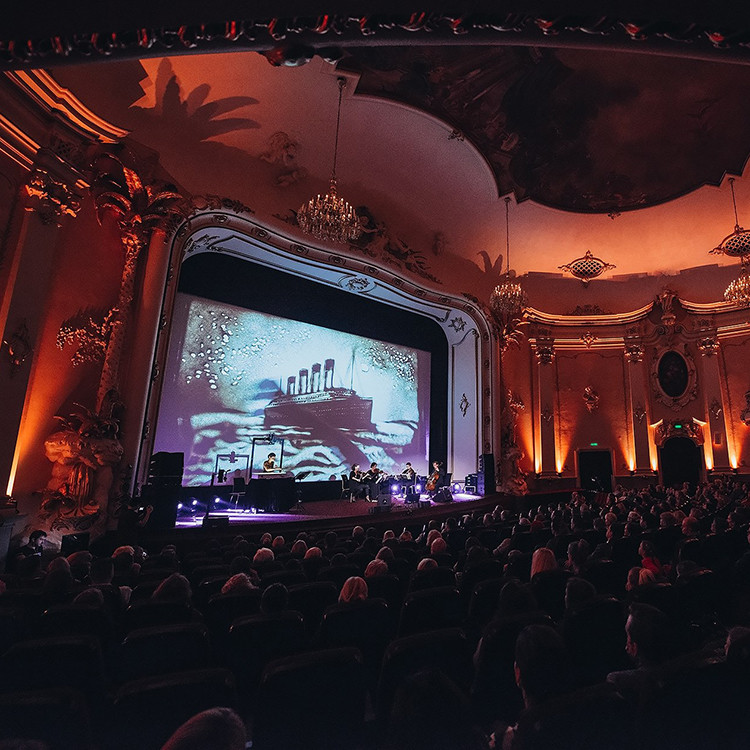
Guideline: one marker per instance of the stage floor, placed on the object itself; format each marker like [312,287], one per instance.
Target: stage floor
[190,517]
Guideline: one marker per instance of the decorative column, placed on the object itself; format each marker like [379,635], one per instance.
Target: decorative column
[638,406]
[708,346]
[546,394]
[30,267]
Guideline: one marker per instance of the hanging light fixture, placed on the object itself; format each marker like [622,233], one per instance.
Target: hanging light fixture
[508,299]
[329,217]
[737,245]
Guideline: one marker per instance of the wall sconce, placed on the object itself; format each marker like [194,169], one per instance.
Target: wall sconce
[18,347]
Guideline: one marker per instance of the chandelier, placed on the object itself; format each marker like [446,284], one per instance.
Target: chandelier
[737,245]
[508,299]
[329,217]
[738,291]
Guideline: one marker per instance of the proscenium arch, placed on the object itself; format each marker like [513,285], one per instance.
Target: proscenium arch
[219,226]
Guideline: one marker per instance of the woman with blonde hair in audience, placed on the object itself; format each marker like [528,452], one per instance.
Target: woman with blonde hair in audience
[376,568]
[542,560]
[239,583]
[353,590]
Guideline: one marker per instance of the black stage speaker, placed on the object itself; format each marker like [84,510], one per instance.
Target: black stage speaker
[165,469]
[71,543]
[164,501]
[486,474]
[376,509]
[443,495]
[216,522]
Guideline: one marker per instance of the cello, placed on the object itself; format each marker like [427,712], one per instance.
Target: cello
[433,479]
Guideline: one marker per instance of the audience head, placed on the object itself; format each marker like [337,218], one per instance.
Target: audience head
[239,583]
[427,563]
[353,590]
[217,728]
[578,591]
[299,548]
[543,560]
[542,664]
[313,552]
[274,599]
[263,555]
[515,599]
[647,634]
[175,589]
[438,546]
[102,570]
[376,568]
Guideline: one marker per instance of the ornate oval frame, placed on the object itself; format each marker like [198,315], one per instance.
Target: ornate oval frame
[691,390]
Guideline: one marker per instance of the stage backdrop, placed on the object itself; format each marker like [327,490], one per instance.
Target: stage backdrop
[334,398]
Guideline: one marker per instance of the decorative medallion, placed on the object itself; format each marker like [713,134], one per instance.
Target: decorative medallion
[590,398]
[634,353]
[674,379]
[457,324]
[639,413]
[587,267]
[545,353]
[708,346]
[18,346]
[546,414]
[356,284]
[715,408]
[463,405]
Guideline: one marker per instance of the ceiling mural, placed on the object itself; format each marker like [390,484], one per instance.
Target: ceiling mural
[577,130]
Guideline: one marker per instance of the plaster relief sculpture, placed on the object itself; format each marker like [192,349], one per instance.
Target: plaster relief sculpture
[590,398]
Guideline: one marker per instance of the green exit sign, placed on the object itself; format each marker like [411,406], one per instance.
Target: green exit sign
[593,445]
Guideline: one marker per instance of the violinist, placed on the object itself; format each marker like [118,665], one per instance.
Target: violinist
[436,478]
[357,483]
[374,477]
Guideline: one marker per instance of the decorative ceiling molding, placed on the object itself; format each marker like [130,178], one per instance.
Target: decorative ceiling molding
[84,31]
[537,316]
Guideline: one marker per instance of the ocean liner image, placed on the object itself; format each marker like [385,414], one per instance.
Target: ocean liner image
[311,398]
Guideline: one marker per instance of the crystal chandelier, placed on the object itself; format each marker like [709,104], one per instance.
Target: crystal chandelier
[738,291]
[737,245]
[508,300]
[329,217]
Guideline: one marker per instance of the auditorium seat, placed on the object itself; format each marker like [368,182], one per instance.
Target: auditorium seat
[311,600]
[151,613]
[388,588]
[483,602]
[311,701]
[431,609]
[431,578]
[68,619]
[148,711]
[447,650]
[256,640]
[223,609]
[161,650]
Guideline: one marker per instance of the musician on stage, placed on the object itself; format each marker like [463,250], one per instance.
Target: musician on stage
[374,478]
[436,478]
[270,463]
[357,484]
[408,476]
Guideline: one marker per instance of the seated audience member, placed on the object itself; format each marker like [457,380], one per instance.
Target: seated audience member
[737,646]
[90,597]
[274,599]
[35,545]
[175,589]
[116,598]
[299,548]
[353,590]
[649,560]
[80,565]
[126,569]
[427,563]
[543,560]
[647,642]
[239,583]
[217,728]
[578,592]
[376,568]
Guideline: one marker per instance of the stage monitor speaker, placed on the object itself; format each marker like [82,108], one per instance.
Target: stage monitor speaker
[375,510]
[216,522]
[163,499]
[443,495]
[486,474]
[166,469]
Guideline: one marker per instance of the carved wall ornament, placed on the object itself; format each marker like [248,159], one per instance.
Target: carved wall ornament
[357,284]
[587,267]
[89,332]
[18,346]
[745,413]
[50,199]
[547,414]
[708,346]
[588,339]
[587,310]
[590,398]
[545,353]
[674,380]
[456,135]
[464,404]
[457,324]
[634,353]
[678,428]
[715,408]
[666,300]
[639,413]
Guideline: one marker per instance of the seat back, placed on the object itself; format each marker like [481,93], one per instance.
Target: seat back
[327,691]
[431,609]
[311,600]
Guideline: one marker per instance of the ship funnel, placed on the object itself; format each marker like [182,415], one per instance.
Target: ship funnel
[291,383]
[315,378]
[303,381]
[328,374]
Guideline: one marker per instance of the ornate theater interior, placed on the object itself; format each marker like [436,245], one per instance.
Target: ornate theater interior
[546,273]
[246,247]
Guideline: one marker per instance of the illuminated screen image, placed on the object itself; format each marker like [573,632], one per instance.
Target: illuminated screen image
[334,398]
